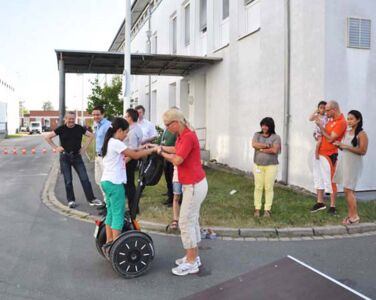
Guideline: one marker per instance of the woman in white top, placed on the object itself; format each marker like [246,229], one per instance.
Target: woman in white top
[354,146]
[114,177]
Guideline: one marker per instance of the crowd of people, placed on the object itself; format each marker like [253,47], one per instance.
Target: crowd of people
[122,142]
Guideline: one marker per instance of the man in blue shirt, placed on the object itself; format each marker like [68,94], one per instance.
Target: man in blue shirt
[101,127]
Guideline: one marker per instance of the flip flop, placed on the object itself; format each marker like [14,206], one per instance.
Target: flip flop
[174,225]
[348,221]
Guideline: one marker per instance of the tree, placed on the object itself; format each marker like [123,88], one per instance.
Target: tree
[108,96]
[47,106]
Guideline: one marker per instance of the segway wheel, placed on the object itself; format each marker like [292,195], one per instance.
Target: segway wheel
[131,254]
[101,239]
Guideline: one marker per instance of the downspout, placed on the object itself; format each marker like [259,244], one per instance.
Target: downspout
[286,104]
[148,34]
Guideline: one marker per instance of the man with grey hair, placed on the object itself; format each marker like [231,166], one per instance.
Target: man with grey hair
[324,167]
[70,152]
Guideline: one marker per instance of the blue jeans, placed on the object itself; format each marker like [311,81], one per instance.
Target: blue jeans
[67,161]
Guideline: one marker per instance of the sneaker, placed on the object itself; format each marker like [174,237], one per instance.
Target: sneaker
[257,213]
[332,211]
[95,202]
[72,204]
[318,206]
[183,260]
[185,269]
[106,250]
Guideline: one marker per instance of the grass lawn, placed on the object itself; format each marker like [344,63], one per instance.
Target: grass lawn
[290,208]
[17,135]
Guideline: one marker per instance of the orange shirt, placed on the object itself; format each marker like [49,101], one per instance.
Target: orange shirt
[337,126]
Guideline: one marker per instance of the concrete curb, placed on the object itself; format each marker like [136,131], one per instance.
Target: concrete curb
[241,234]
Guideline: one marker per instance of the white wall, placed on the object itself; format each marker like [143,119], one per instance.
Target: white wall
[231,97]
[351,73]
[307,85]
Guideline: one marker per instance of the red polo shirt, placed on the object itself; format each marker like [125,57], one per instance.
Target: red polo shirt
[187,147]
[338,126]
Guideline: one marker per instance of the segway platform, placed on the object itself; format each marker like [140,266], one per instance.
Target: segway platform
[287,278]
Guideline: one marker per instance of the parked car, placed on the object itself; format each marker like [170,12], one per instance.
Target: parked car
[35,127]
[24,129]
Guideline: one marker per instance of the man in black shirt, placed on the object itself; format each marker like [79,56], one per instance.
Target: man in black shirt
[70,135]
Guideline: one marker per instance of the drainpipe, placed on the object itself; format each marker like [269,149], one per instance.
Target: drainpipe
[286,104]
[148,35]
[127,56]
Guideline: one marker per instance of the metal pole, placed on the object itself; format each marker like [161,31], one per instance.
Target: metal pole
[61,90]
[286,108]
[127,56]
[82,102]
[148,33]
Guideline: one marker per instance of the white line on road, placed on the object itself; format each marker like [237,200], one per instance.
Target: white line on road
[329,278]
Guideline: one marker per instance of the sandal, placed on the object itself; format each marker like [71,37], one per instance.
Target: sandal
[174,225]
[267,214]
[348,221]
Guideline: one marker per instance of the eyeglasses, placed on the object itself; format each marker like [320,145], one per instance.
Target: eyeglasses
[167,125]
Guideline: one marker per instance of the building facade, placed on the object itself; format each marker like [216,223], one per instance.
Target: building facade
[50,119]
[9,105]
[280,58]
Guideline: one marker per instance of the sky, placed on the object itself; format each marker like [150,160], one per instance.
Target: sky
[31,30]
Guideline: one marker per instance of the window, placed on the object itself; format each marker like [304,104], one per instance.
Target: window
[203,15]
[173,35]
[187,31]
[359,33]
[225,9]
[246,2]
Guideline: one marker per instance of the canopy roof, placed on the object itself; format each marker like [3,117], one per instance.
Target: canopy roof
[141,64]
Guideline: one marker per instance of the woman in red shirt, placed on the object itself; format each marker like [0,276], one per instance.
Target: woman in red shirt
[186,156]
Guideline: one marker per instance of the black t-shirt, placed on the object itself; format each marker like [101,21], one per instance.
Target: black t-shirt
[70,138]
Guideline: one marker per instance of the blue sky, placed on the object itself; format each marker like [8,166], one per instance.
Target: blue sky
[30,30]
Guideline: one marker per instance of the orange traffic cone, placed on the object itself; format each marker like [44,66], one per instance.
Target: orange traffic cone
[33,151]
[23,151]
[14,151]
[5,151]
[44,150]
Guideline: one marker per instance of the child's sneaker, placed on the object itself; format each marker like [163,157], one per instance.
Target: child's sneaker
[183,260]
[185,269]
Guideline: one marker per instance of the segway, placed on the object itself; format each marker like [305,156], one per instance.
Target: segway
[132,253]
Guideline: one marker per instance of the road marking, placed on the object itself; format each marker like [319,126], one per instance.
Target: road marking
[329,278]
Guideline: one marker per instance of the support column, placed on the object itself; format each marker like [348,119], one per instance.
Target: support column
[127,56]
[61,90]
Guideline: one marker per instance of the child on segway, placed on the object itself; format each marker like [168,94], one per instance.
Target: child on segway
[114,176]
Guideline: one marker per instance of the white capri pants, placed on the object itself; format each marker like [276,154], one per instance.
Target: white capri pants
[322,174]
[193,196]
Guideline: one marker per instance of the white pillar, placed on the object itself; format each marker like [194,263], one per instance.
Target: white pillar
[127,56]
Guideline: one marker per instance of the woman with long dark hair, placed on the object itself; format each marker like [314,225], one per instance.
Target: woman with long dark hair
[354,146]
[114,177]
[267,145]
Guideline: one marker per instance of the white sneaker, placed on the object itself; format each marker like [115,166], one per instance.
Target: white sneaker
[183,260]
[185,269]
[72,204]
[95,202]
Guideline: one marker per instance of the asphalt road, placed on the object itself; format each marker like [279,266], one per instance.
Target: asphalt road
[44,255]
